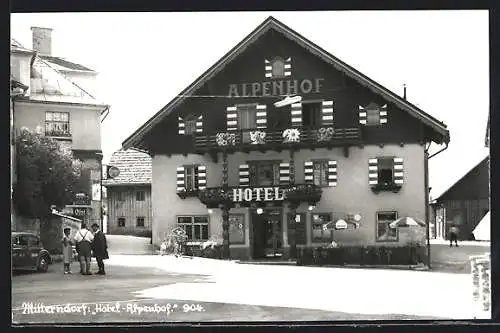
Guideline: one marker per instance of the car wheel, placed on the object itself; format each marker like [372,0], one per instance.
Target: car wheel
[43,264]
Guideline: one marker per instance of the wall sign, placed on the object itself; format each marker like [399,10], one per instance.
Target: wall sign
[275,88]
[78,211]
[258,194]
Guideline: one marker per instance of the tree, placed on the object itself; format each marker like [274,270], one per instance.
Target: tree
[46,175]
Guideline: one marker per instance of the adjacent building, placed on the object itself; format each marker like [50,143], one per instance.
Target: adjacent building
[280,140]
[56,106]
[129,210]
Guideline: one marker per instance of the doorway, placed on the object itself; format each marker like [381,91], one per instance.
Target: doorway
[267,234]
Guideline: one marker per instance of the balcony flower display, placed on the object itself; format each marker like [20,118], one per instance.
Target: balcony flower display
[291,135]
[325,133]
[226,139]
[257,137]
[304,193]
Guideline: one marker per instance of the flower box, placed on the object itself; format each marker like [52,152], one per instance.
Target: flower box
[304,193]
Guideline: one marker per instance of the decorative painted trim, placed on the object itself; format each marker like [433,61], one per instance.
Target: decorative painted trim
[398,171]
[232,118]
[373,171]
[332,173]
[261,116]
[284,173]
[244,174]
[327,113]
[268,69]
[201,170]
[296,114]
[199,124]
[182,126]
[180,179]
[288,67]
[383,114]
[308,172]
[362,115]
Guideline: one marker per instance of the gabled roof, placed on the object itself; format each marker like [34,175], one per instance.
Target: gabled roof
[135,168]
[66,65]
[272,23]
[461,178]
[15,46]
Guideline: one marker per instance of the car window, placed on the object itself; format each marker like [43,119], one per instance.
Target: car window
[14,240]
[23,240]
[33,241]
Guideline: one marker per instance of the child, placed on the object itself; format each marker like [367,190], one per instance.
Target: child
[67,251]
[163,247]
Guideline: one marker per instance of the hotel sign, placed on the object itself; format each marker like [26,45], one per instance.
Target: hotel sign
[275,88]
[258,194]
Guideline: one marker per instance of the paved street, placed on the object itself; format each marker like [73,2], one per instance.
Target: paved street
[153,288]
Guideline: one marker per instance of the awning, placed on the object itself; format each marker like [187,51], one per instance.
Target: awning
[407,222]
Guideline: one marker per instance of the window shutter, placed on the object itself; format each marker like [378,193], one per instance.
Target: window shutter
[182,126]
[284,173]
[383,114]
[332,173]
[244,175]
[327,113]
[308,172]
[180,179]
[296,113]
[288,67]
[398,171]
[373,171]
[199,124]
[362,115]
[268,68]
[232,118]
[201,171]
[261,116]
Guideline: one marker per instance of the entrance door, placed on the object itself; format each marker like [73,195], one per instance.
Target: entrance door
[267,235]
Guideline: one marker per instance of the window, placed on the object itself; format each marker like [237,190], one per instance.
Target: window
[57,124]
[372,116]
[299,222]
[264,173]
[247,116]
[140,222]
[121,221]
[319,234]
[190,125]
[278,68]
[311,114]
[384,232]
[320,172]
[385,171]
[236,229]
[23,240]
[190,177]
[196,227]
[140,195]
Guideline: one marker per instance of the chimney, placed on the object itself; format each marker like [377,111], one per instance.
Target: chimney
[404,91]
[42,40]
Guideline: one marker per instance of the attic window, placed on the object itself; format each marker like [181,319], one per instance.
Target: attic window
[190,125]
[372,114]
[278,68]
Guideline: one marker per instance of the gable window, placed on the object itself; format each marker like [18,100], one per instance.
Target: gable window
[57,124]
[372,117]
[190,126]
[311,114]
[384,231]
[373,114]
[196,227]
[264,173]
[319,232]
[121,222]
[278,68]
[140,221]
[140,196]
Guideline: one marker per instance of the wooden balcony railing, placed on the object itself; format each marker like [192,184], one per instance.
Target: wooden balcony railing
[269,138]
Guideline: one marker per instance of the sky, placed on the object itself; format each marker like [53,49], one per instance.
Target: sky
[145,59]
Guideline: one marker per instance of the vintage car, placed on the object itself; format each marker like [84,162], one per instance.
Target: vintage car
[28,252]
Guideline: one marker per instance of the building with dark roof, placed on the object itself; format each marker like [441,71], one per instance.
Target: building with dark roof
[129,194]
[279,141]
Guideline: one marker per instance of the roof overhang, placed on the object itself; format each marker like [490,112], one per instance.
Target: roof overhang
[271,23]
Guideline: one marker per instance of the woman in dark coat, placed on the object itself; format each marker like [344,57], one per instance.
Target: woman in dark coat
[99,248]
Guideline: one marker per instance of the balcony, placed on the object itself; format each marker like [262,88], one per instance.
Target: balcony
[270,139]
[260,196]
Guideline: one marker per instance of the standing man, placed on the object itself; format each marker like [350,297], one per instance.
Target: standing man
[100,248]
[84,239]
[454,231]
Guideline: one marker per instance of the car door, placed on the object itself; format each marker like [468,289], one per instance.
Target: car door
[34,248]
[20,254]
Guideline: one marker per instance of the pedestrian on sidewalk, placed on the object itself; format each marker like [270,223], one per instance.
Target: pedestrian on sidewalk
[84,239]
[99,248]
[454,231]
[67,250]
